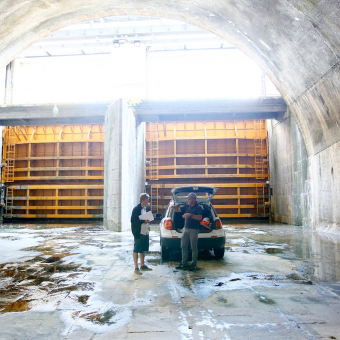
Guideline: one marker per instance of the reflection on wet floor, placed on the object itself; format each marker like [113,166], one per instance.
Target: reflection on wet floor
[318,253]
[65,265]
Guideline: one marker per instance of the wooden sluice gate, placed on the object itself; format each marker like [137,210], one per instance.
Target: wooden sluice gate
[229,155]
[54,171]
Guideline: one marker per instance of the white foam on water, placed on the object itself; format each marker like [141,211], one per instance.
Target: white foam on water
[12,245]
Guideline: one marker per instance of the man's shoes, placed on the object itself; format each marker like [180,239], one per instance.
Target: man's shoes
[145,268]
[181,266]
[137,271]
[192,268]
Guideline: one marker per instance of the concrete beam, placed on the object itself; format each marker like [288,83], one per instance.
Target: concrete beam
[205,116]
[147,111]
[194,106]
[50,114]
[210,109]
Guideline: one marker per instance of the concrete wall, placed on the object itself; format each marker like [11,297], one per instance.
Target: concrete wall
[124,158]
[289,181]
[306,190]
[325,174]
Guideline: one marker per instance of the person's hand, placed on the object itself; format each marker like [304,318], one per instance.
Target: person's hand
[172,207]
[187,215]
[147,221]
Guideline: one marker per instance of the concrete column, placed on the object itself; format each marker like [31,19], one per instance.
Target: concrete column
[124,158]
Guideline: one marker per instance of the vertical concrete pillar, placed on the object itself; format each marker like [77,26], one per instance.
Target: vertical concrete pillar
[124,160]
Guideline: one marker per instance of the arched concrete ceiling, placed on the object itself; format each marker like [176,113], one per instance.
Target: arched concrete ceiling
[296,42]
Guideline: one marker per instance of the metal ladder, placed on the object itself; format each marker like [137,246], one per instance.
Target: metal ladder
[261,205]
[10,154]
[154,199]
[153,151]
[9,202]
[259,148]
[153,164]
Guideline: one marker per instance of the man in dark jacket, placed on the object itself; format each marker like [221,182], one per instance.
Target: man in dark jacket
[140,230]
[192,212]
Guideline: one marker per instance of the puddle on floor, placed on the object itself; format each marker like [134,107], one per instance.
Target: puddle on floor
[33,274]
[274,250]
[15,307]
[265,300]
[48,270]
[83,299]
[106,318]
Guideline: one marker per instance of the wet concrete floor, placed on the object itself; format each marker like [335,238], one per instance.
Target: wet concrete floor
[275,282]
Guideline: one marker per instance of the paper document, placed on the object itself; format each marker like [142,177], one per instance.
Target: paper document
[147,216]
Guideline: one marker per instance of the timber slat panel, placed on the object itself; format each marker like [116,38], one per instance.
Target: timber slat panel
[237,215]
[53,178]
[53,207]
[60,198]
[217,206]
[53,215]
[58,186]
[202,137]
[216,185]
[57,157]
[216,197]
[207,155]
[212,166]
[58,168]
[209,176]
[54,141]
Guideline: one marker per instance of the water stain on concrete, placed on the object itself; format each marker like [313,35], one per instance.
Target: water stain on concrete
[274,251]
[100,318]
[265,300]
[83,299]
[15,307]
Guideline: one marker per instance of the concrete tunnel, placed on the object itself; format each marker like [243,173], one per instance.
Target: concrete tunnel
[296,43]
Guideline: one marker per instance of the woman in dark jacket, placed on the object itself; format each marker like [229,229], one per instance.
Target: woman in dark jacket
[140,231]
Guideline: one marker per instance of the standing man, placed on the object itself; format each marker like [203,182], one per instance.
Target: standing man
[140,230]
[193,215]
